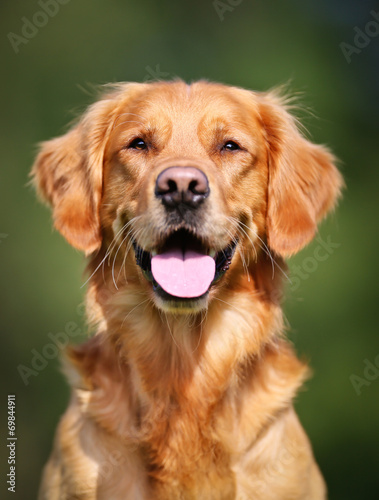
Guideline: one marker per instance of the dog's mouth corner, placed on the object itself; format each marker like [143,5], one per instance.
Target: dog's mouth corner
[183,266]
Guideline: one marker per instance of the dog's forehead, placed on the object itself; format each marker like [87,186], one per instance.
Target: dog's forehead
[201,102]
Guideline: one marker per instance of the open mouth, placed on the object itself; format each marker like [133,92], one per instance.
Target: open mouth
[183,267]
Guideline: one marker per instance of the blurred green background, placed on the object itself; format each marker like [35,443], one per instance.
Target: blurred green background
[332,308]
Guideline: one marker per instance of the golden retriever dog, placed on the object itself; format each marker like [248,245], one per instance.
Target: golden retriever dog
[186,199]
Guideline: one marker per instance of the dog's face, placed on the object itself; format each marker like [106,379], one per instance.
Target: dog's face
[186,167]
[194,179]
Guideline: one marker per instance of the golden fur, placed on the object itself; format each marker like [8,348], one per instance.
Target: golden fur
[189,399]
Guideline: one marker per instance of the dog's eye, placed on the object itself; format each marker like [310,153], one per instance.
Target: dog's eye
[230,146]
[137,143]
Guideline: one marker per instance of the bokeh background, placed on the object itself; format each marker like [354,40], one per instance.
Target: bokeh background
[332,306]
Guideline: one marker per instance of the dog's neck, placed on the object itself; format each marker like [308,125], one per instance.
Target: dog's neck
[172,353]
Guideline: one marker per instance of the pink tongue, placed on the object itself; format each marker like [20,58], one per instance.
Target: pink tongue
[187,276]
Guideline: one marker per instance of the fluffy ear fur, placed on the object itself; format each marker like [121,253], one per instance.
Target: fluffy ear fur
[68,171]
[304,184]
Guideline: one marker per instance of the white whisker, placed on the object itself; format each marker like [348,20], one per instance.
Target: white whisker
[203,317]
[110,248]
[239,249]
[134,308]
[129,121]
[134,235]
[118,249]
[106,255]
[169,329]
[267,250]
[263,246]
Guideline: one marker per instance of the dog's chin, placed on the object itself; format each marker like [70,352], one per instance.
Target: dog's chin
[178,305]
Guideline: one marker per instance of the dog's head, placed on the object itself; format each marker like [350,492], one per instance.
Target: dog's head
[180,186]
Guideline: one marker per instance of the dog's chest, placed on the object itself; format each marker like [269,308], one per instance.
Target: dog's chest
[185,459]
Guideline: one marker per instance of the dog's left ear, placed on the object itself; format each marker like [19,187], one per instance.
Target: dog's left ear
[304,183]
[68,175]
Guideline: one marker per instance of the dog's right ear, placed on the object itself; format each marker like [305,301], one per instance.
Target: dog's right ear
[304,183]
[68,174]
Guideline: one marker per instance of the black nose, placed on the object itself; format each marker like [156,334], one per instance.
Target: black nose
[182,185]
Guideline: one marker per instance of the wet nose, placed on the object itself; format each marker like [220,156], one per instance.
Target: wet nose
[182,185]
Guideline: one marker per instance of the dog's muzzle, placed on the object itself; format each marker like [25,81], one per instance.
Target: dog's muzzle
[183,266]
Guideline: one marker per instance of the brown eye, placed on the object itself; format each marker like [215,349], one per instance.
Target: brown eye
[230,146]
[138,144]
